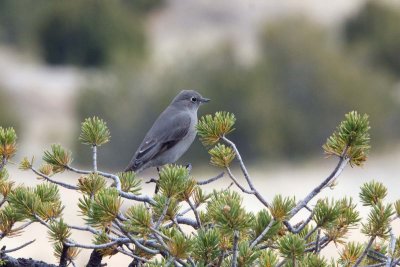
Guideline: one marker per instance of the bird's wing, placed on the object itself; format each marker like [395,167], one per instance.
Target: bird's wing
[165,133]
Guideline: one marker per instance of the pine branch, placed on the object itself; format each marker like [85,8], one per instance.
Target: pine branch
[301,227]
[133,240]
[117,181]
[3,162]
[359,260]
[235,248]
[392,245]
[47,178]
[196,213]
[164,212]
[213,179]
[64,256]
[263,233]
[94,152]
[5,251]
[245,172]
[233,178]
[317,244]
[336,172]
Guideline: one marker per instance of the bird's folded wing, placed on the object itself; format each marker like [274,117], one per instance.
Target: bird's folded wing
[167,133]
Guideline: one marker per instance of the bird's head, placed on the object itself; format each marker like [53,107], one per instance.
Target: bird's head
[189,99]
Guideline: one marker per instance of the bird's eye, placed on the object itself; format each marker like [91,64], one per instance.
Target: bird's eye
[193,99]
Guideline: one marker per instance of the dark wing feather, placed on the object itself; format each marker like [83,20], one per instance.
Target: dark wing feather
[165,133]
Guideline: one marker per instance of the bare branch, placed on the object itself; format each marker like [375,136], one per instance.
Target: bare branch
[301,227]
[196,213]
[101,246]
[233,178]
[133,240]
[164,212]
[5,251]
[359,260]
[94,151]
[245,172]
[263,233]
[117,181]
[392,245]
[47,178]
[317,241]
[235,248]
[219,176]
[336,172]
[130,254]
[3,162]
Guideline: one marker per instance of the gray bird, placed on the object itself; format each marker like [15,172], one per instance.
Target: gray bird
[171,134]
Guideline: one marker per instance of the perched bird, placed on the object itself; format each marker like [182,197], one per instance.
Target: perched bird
[171,134]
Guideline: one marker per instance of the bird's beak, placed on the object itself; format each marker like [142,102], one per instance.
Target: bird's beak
[204,100]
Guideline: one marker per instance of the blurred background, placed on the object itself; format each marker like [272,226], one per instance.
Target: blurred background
[289,70]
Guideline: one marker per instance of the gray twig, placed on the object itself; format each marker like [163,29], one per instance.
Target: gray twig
[164,212]
[336,172]
[117,181]
[47,178]
[359,260]
[94,150]
[246,173]
[263,233]
[219,176]
[235,248]
[196,213]
[392,245]
[5,251]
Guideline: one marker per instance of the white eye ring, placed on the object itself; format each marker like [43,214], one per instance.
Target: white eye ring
[193,99]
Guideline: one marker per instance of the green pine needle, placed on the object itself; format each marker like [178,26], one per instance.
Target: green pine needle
[57,157]
[212,128]
[91,184]
[8,217]
[262,220]
[397,207]
[6,186]
[8,142]
[221,155]
[378,222]
[281,207]
[59,231]
[326,213]
[351,139]
[25,202]
[179,245]
[161,202]
[139,220]
[173,180]
[268,258]
[47,192]
[225,208]
[314,260]
[206,246]
[372,193]
[26,164]
[104,208]
[130,182]
[350,253]
[94,132]
[291,247]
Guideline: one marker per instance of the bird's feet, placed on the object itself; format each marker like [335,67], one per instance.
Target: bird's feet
[189,167]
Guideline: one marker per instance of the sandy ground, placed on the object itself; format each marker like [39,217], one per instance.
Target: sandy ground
[285,179]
